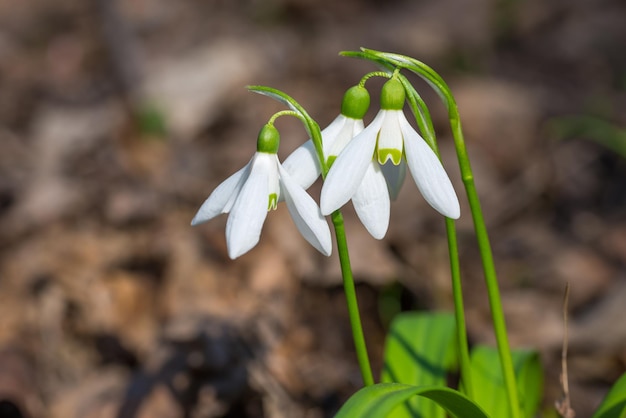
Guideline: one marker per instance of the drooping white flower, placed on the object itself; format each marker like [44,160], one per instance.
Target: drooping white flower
[389,142]
[254,190]
[371,205]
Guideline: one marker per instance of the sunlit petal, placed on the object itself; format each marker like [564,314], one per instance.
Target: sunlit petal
[394,175]
[246,218]
[306,214]
[428,173]
[223,197]
[329,134]
[346,173]
[350,129]
[371,201]
[303,165]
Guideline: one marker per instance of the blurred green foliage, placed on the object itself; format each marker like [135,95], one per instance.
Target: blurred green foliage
[593,128]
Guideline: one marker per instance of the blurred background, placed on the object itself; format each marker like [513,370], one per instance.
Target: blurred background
[118,118]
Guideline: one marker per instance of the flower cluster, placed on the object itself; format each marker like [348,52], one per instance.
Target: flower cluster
[367,165]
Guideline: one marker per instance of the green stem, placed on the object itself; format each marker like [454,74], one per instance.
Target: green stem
[353,307]
[424,121]
[459,312]
[491,279]
[346,271]
[486,255]
[493,292]
[374,74]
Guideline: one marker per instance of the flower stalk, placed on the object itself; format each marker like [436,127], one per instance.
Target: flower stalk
[314,132]
[422,117]
[351,300]
[499,324]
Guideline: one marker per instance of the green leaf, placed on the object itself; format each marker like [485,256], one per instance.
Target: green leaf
[614,405]
[419,351]
[151,121]
[487,375]
[378,401]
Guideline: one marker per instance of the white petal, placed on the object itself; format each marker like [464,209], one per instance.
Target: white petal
[329,134]
[306,214]
[346,174]
[371,201]
[223,197]
[273,188]
[390,138]
[394,175]
[245,222]
[429,174]
[350,129]
[303,165]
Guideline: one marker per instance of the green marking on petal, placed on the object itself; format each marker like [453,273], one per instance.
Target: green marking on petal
[386,154]
[273,201]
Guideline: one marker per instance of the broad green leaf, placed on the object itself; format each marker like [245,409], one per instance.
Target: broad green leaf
[378,401]
[489,384]
[420,351]
[614,405]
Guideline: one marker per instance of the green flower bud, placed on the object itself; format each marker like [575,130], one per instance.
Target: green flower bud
[392,96]
[355,102]
[268,140]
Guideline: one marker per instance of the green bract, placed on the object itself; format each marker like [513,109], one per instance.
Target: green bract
[392,96]
[268,140]
[355,102]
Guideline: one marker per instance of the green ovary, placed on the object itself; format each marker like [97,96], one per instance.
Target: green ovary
[386,154]
[268,139]
[273,201]
[355,103]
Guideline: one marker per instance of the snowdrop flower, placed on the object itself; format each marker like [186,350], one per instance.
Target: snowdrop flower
[389,141]
[254,190]
[370,200]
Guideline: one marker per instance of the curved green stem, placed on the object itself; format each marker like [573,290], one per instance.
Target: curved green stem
[373,74]
[284,113]
[314,132]
[484,246]
[422,117]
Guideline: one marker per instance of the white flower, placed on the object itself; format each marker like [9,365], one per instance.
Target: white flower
[251,192]
[389,141]
[371,205]
[303,164]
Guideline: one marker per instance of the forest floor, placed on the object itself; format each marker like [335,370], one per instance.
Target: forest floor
[118,119]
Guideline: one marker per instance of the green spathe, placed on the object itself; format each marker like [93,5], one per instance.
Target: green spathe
[355,102]
[268,140]
[392,96]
